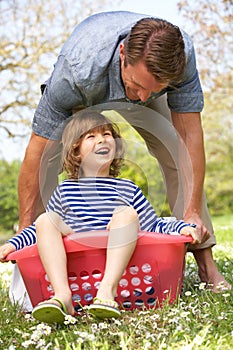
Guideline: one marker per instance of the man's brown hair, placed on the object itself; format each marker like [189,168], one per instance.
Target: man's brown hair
[159,44]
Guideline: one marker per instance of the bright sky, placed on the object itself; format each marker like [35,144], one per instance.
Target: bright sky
[166,9]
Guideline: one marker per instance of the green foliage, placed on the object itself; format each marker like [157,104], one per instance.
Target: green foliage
[8,194]
[209,22]
[32,34]
[218,128]
[210,25]
[219,190]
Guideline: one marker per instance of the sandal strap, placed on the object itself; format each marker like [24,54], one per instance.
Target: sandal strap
[63,307]
[108,302]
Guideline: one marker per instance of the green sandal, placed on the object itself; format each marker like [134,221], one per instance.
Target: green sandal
[50,313]
[101,309]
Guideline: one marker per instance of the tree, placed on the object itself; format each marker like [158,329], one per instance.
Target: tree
[32,34]
[210,24]
[8,194]
[218,126]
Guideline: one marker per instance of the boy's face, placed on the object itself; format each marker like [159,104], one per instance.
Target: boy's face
[97,151]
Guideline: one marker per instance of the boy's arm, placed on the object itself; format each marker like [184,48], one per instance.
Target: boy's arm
[193,232]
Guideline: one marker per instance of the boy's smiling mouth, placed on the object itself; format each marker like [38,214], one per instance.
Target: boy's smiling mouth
[103,151]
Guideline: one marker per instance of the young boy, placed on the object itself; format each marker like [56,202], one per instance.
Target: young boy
[92,198]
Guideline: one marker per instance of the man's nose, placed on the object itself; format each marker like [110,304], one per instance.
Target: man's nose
[144,95]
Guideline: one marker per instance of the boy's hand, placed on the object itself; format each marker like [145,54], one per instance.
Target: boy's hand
[193,232]
[6,249]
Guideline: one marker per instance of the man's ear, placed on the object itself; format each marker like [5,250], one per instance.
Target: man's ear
[122,52]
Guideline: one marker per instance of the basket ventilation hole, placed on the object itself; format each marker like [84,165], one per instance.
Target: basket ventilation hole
[133,269]
[50,289]
[74,287]
[137,292]
[150,290]
[151,301]
[146,268]
[148,279]
[76,298]
[127,304]
[139,302]
[72,276]
[123,282]
[84,275]
[135,281]
[125,293]
[96,274]
[97,284]
[88,297]
[86,286]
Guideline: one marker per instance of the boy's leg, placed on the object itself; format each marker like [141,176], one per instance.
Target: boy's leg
[123,233]
[53,257]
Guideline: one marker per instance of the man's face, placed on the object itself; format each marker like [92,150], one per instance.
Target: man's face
[138,82]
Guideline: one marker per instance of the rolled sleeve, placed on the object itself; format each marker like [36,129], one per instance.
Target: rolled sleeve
[187,98]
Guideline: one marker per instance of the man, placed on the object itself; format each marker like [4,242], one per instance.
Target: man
[123,57]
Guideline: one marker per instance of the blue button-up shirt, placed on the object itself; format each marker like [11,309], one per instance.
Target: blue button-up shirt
[87,73]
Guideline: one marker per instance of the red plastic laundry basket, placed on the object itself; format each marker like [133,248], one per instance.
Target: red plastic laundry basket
[154,273]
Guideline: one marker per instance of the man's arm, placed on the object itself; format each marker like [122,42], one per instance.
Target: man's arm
[28,184]
[191,149]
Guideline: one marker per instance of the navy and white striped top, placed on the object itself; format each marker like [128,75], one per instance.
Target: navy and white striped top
[88,203]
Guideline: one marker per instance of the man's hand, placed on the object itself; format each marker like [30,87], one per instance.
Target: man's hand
[202,231]
[6,249]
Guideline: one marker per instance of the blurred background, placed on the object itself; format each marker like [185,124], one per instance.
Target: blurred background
[32,34]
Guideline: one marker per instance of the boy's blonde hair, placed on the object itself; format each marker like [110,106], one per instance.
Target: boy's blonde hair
[80,124]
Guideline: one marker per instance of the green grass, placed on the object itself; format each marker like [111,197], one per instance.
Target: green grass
[198,320]
[5,236]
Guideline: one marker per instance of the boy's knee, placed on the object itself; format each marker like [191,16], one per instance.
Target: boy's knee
[125,210]
[131,214]
[41,220]
[124,215]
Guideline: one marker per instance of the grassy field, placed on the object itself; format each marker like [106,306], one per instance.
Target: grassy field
[198,320]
